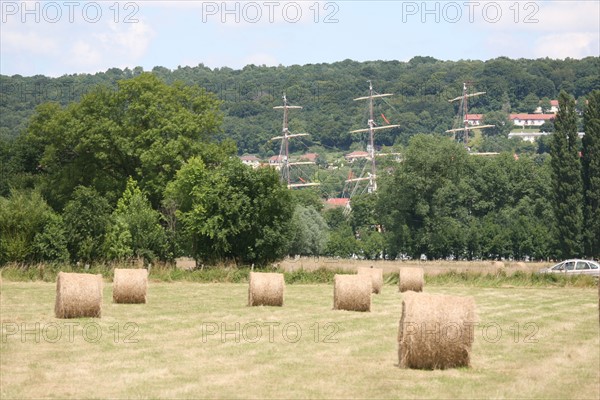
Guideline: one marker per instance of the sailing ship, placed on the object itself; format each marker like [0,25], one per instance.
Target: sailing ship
[463,114]
[369,172]
[284,163]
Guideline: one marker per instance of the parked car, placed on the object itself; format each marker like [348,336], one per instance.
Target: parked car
[574,267]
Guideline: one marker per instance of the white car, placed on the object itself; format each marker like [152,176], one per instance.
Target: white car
[574,267]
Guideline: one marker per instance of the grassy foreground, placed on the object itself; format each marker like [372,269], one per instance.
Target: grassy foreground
[197,340]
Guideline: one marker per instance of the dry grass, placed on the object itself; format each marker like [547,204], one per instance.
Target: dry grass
[430,267]
[436,331]
[162,352]
[352,292]
[130,285]
[411,279]
[265,289]
[78,295]
[376,275]
[185,263]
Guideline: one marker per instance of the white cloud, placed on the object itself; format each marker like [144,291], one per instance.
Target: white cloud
[537,16]
[107,46]
[574,45]
[95,40]
[14,40]
[555,29]
[83,55]
[129,41]
[568,16]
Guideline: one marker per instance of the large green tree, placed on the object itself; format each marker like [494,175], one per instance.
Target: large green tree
[444,203]
[136,229]
[29,229]
[146,129]
[231,212]
[309,232]
[422,194]
[591,175]
[566,179]
[87,218]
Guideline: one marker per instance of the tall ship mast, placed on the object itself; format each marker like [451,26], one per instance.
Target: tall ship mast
[284,151]
[463,114]
[371,129]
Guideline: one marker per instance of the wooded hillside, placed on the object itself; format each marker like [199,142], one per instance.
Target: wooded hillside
[421,86]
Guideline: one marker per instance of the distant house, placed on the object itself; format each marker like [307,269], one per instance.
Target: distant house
[474,119]
[553,108]
[276,160]
[337,202]
[250,160]
[518,119]
[312,157]
[523,120]
[355,155]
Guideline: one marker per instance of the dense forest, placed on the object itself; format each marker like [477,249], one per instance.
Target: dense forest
[421,87]
[127,163]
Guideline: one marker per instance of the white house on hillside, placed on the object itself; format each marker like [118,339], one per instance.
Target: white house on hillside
[531,119]
[521,120]
[355,155]
[250,160]
[553,108]
[474,119]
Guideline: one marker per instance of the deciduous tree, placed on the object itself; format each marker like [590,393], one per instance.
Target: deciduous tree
[146,129]
[232,211]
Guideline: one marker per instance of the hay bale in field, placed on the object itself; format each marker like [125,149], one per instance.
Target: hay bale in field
[498,264]
[411,279]
[436,331]
[130,285]
[265,289]
[376,275]
[78,295]
[352,292]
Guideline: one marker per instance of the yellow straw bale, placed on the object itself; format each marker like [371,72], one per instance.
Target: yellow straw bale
[78,295]
[411,278]
[436,331]
[130,285]
[266,289]
[352,292]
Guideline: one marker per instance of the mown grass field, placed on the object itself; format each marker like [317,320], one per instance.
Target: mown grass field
[196,340]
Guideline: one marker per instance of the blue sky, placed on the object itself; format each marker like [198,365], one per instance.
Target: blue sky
[64,37]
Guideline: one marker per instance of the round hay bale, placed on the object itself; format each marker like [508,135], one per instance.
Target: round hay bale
[376,275]
[498,264]
[130,285]
[411,278]
[266,289]
[78,295]
[352,292]
[436,331]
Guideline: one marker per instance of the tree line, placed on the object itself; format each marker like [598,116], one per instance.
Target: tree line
[141,172]
[421,86]
[447,203]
